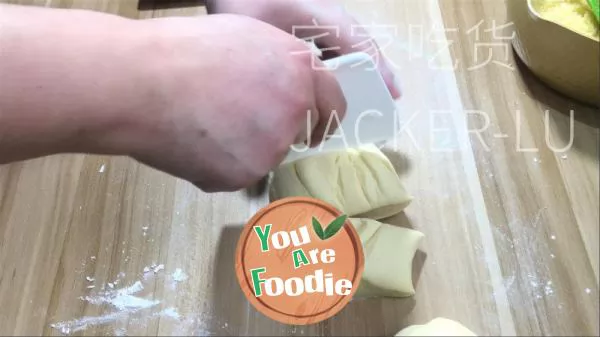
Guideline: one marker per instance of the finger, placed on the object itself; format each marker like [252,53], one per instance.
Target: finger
[308,125]
[329,100]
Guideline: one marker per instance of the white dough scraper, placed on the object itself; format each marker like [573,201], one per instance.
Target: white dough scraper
[370,115]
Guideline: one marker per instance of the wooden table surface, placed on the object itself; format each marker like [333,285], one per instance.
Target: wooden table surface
[506,191]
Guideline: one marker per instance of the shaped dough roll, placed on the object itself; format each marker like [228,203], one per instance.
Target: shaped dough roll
[360,182]
[389,253]
[437,327]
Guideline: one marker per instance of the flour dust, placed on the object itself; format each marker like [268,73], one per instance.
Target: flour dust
[127,304]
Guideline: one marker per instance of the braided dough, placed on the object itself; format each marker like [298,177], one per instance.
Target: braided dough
[360,182]
[389,253]
[437,327]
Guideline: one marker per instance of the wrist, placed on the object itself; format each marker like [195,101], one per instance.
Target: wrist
[70,82]
[127,92]
[123,92]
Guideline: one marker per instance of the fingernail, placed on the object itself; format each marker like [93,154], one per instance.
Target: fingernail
[393,89]
[394,92]
[391,80]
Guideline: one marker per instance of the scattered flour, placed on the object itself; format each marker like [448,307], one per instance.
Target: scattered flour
[159,268]
[68,327]
[178,275]
[548,290]
[122,299]
[170,312]
[129,302]
[120,332]
[525,239]
[126,304]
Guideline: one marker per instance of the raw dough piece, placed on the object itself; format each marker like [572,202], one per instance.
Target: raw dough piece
[389,253]
[360,182]
[437,327]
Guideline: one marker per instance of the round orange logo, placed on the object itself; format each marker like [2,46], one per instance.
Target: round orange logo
[299,261]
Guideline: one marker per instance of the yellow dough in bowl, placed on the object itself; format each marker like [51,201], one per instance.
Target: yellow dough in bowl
[575,15]
[389,253]
[360,182]
[437,327]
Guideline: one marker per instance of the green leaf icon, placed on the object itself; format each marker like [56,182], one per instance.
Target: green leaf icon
[595,6]
[334,226]
[318,229]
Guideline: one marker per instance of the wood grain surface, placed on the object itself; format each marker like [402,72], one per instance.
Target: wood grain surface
[93,245]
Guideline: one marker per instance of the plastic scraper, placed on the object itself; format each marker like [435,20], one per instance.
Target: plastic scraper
[370,115]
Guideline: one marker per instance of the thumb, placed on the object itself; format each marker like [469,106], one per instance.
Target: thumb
[330,103]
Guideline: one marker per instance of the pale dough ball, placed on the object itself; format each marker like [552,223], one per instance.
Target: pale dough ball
[437,327]
[389,252]
[360,182]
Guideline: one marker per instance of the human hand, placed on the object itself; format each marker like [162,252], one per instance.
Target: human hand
[287,14]
[232,95]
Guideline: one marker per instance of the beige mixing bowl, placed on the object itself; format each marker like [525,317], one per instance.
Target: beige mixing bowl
[563,59]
